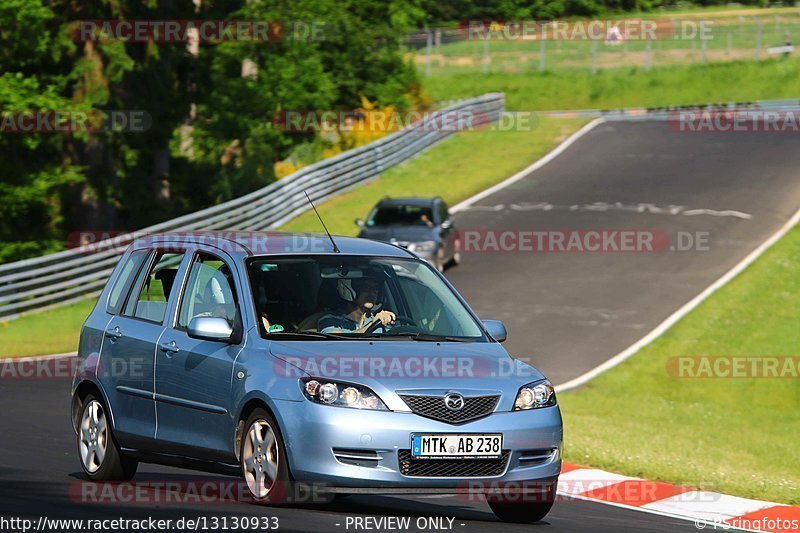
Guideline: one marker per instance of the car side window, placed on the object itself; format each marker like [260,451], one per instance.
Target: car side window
[154,288]
[210,291]
[123,282]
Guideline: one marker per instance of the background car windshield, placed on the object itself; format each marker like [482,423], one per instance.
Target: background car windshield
[296,294]
[406,215]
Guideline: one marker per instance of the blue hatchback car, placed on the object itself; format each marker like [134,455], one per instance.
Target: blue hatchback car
[292,359]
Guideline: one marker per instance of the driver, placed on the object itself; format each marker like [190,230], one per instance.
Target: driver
[360,296]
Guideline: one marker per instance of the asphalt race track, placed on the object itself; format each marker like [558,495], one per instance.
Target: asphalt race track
[566,312]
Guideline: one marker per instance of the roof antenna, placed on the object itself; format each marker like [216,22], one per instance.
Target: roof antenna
[335,248]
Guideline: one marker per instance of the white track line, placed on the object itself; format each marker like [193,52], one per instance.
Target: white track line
[683,311]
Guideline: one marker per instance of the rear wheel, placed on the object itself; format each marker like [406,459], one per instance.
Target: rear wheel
[523,508]
[263,459]
[100,455]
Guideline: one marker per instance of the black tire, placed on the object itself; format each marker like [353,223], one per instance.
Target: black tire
[523,509]
[114,465]
[281,491]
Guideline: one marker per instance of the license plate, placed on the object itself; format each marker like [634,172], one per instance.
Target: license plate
[456,446]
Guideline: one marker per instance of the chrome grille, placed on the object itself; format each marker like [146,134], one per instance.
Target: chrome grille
[451,467]
[434,407]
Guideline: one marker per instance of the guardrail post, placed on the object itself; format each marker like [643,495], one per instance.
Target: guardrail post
[703,57]
[759,35]
[542,51]
[486,54]
[428,52]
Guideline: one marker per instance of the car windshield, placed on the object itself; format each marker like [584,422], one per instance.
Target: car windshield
[334,297]
[405,215]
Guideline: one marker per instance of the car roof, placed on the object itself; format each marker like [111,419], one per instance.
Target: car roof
[253,243]
[415,201]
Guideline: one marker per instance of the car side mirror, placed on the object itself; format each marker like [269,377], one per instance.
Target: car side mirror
[447,224]
[360,223]
[496,329]
[210,329]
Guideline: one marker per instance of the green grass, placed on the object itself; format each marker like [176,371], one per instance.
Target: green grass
[629,87]
[461,166]
[54,331]
[736,436]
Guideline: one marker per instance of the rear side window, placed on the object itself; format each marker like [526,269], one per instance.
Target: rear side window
[154,288]
[123,282]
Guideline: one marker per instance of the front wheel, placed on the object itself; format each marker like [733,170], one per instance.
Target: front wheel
[523,508]
[263,459]
[100,455]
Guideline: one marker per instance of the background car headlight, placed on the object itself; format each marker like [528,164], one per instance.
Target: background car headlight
[340,394]
[535,395]
[424,246]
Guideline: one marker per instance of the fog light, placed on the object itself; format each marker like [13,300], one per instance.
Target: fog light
[329,392]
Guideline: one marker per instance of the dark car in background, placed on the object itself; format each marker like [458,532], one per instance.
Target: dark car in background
[421,225]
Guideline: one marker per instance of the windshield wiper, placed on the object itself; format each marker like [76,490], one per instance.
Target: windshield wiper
[430,337]
[298,335]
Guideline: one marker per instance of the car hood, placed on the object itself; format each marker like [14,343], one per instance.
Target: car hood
[393,367]
[399,233]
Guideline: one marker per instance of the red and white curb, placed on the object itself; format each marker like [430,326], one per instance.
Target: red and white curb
[708,510]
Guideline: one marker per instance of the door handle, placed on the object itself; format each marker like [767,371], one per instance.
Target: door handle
[169,348]
[113,333]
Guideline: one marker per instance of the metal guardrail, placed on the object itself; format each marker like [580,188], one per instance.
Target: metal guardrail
[64,277]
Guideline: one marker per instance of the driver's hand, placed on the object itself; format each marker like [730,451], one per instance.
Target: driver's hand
[386,317]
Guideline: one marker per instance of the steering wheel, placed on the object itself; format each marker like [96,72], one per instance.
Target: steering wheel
[398,320]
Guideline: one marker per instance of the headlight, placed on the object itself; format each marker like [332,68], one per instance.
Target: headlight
[423,247]
[535,395]
[340,394]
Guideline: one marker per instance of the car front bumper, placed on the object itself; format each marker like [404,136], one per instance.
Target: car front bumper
[312,431]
